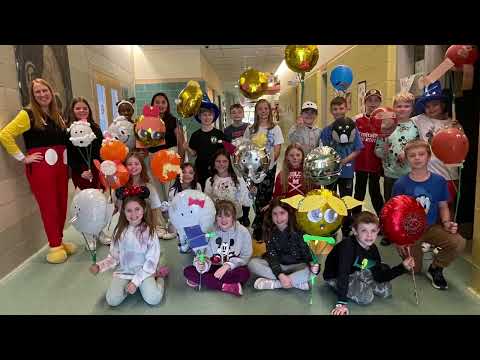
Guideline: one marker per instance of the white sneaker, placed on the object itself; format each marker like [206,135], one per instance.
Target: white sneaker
[105,239]
[169,236]
[264,284]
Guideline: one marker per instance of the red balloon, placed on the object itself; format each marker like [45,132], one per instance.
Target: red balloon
[403,220]
[450,145]
[462,54]
[384,120]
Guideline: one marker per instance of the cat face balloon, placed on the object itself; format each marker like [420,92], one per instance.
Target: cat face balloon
[81,133]
[122,129]
[343,131]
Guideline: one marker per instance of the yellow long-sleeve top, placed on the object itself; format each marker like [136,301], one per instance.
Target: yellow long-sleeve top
[50,135]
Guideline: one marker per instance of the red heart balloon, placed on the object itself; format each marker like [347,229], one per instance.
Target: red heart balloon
[462,54]
[450,145]
[403,220]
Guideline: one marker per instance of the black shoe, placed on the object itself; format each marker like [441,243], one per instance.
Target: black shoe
[436,275]
[385,242]
[245,222]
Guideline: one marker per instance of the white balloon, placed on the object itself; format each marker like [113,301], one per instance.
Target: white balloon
[91,211]
[81,133]
[122,129]
[190,208]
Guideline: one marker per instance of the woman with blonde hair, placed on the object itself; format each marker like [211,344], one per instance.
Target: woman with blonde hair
[44,133]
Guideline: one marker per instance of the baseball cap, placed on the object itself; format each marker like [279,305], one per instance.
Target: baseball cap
[309,105]
[373,92]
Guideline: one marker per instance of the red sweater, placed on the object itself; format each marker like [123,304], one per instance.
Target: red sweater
[296,184]
[367,160]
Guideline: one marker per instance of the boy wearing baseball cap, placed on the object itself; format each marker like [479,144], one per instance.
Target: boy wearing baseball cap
[304,132]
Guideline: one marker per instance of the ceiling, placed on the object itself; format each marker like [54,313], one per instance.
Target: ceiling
[229,61]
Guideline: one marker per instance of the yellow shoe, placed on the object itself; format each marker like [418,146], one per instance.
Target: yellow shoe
[69,248]
[259,248]
[57,255]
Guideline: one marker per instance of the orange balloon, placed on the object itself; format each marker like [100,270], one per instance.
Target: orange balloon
[450,145]
[165,165]
[113,150]
[119,179]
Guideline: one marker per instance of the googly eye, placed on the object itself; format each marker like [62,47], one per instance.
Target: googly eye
[157,135]
[142,134]
[330,216]
[315,215]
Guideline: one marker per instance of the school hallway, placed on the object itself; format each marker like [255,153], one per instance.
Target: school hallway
[39,288]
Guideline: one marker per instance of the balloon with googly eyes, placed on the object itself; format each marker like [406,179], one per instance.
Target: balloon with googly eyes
[81,133]
[150,128]
[251,161]
[321,211]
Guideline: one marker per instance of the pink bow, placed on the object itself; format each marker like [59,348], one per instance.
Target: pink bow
[198,202]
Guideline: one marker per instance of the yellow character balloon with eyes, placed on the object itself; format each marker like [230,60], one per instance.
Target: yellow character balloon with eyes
[321,212]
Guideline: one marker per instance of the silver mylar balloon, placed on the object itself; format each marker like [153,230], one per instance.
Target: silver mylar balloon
[322,165]
[251,161]
[91,211]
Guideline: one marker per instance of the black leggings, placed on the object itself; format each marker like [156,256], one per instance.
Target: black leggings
[263,198]
[373,179]
[345,188]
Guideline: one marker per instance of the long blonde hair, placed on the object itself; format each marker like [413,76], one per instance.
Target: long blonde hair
[148,222]
[286,168]
[256,122]
[38,114]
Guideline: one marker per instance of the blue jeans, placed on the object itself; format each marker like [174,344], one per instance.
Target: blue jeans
[151,290]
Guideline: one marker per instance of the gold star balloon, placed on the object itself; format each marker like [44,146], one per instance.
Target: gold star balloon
[301,58]
[189,99]
[253,83]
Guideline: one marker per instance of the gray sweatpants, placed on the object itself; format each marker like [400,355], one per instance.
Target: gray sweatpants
[362,287]
[298,273]
[151,290]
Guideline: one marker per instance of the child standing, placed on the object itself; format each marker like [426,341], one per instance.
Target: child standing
[266,134]
[225,185]
[304,132]
[431,191]
[433,115]
[367,165]
[126,108]
[227,254]
[390,148]
[354,267]
[135,252]
[290,180]
[233,132]
[84,176]
[288,261]
[237,129]
[343,137]
[205,141]
[188,180]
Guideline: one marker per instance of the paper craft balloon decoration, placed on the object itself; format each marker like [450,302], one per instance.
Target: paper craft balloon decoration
[384,120]
[81,133]
[450,145]
[149,128]
[251,161]
[189,99]
[253,83]
[91,211]
[301,58]
[403,220]
[113,150]
[112,174]
[121,129]
[165,165]
[322,165]
[341,77]
[321,211]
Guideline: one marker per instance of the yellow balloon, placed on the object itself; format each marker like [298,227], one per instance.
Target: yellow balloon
[301,58]
[253,83]
[322,221]
[189,99]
